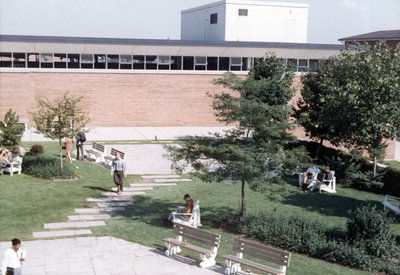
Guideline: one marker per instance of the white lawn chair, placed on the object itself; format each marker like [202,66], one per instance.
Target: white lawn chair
[328,185]
[189,219]
[15,166]
[393,203]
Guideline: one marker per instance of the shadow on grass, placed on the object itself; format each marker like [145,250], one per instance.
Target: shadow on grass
[154,211]
[98,188]
[326,204]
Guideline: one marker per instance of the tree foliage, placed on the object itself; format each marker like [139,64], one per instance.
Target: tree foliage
[354,100]
[60,118]
[258,148]
[11,130]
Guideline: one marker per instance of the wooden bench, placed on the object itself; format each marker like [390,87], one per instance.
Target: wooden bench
[393,203]
[114,153]
[189,219]
[97,150]
[209,239]
[263,252]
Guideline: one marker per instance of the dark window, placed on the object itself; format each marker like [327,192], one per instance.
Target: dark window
[303,65]
[224,63]
[163,62]
[176,63]
[188,62]
[19,60]
[200,63]
[112,61]
[73,61]
[5,60]
[87,61]
[125,62]
[292,64]
[313,64]
[138,62]
[99,61]
[151,62]
[33,60]
[245,64]
[214,18]
[242,12]
[60,60]
[236,64]
[46,60]
[212,63]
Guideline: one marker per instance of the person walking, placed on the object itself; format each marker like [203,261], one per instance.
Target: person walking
[118,168]
[80,139]
[12,259]
[68,148]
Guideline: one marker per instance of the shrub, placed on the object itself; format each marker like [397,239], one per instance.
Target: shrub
[370,229]
[45,168]
[36,149]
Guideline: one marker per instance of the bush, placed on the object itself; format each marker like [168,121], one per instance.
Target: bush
[367,243]
[45,168]
[370,229]
[36,149]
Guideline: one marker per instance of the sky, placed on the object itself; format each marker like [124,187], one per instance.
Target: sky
[328,20]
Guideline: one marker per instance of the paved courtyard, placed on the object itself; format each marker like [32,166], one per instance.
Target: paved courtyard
[102,255]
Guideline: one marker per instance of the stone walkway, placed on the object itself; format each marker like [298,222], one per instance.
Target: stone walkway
[102,256]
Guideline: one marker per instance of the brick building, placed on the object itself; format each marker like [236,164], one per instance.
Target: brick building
[392,38]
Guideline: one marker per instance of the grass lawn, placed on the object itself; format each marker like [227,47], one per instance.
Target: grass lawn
[26,203]
[393,164]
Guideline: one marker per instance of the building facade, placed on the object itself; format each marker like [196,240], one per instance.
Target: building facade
[243,20]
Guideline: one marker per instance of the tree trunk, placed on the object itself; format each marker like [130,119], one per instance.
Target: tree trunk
[243,200]
[61,159]
[374,170]
[319,148]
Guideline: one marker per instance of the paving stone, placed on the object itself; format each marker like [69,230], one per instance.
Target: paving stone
[87,210]
[171,180]
[88,217]
[109,199]
[133,189]
[110,204]
[112,194]
[111,209]
[73,224]
[160,176]
[152,184]
[51,234]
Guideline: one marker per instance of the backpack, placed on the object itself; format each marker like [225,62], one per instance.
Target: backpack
[82,136]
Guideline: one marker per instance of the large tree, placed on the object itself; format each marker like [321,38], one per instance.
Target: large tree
[60,118]
[11,130]
[259,146]
[362,92]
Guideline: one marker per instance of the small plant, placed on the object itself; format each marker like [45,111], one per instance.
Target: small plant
[36,149]
[11,130]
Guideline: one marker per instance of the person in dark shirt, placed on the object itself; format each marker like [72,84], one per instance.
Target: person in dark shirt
[184,209]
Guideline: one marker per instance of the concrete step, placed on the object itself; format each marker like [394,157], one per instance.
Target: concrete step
[113,194]
[171,180]
[152,184]
[111,204]
[109,199]
[134,189]
[80,224]
[61,233]
[111,209]
[88,217]
[160,176]
[97,210]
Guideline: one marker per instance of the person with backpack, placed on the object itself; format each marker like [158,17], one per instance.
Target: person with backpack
[80,139]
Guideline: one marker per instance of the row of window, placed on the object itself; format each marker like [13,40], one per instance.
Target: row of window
[140,62]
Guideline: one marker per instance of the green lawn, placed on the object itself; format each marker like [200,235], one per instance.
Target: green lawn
[26,203]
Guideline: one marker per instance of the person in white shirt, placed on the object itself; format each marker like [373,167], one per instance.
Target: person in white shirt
[12,259]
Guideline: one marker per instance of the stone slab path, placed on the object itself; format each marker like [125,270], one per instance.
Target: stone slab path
[102,256]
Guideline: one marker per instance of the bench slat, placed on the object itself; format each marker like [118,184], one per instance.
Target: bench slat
[195,231]
[115,151]
[247,244]
[264,255]
[189,246]
[253,264]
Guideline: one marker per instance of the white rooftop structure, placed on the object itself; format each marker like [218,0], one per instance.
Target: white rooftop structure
[245,20]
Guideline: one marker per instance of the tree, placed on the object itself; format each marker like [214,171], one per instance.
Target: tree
[11,130]
[63,117]
[362,92]
[259,147]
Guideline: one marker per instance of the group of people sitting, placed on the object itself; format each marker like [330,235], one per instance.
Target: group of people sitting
[7,158]
[313,177]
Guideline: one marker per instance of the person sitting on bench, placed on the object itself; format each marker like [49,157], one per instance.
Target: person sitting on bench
[184,209]
[308,176]
[325,175]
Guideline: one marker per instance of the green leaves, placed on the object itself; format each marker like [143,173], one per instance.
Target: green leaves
[11,130]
